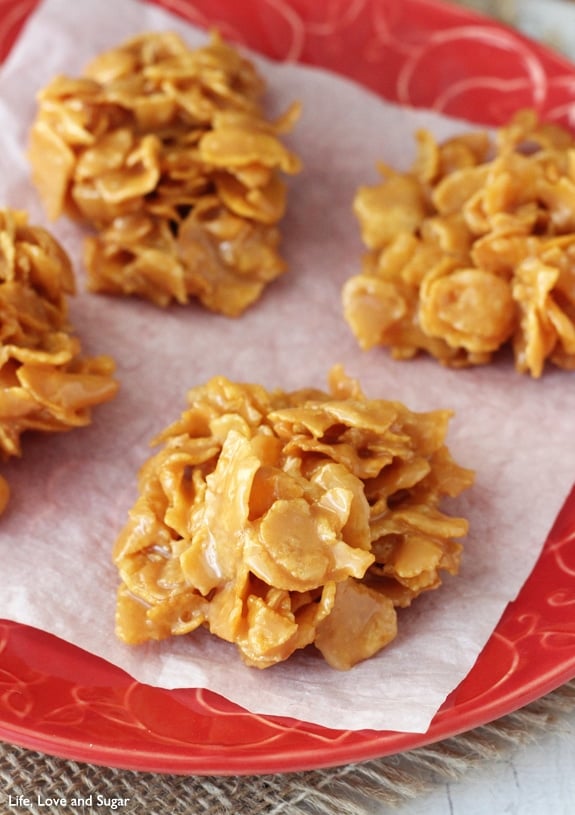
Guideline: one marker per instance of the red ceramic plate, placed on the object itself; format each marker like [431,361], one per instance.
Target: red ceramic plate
[58,699]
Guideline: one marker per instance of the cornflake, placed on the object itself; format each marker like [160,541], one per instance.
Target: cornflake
[472,250]
[45,382]
[277,520]
[166,152]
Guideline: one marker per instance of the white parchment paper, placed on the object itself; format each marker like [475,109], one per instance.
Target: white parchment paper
[71,493]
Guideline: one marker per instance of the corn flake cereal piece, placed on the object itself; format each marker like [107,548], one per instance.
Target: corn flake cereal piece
[471,251]
[166,152]
[4,494]
[279,520]
[45,382]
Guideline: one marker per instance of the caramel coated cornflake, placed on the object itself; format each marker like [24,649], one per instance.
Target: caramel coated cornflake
[472,250]
[277,520]
[45,382]
[167,153]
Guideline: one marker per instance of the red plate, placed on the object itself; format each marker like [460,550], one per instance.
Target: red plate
[61,700]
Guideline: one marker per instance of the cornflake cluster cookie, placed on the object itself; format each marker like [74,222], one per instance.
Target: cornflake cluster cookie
[46,384]
[277,520]
[167,153]
[472,250]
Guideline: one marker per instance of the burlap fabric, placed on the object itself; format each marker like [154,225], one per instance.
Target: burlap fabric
[355,789]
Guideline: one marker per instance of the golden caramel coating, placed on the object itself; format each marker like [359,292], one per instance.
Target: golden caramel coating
[277,520]
[472,251]
[45,382]
[167,153]
[4,494]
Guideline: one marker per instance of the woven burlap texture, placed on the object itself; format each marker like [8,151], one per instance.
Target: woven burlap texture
[355,789]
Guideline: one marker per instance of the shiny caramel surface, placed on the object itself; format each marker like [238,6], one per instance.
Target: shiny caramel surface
[277,520]
[472,250]
[166,152]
